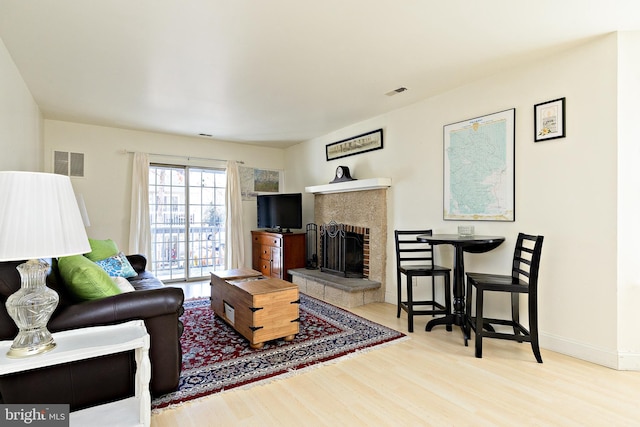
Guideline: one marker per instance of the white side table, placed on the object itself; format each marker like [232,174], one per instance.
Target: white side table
[92,342]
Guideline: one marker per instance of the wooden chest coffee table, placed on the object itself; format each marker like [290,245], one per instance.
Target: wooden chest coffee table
[260,308]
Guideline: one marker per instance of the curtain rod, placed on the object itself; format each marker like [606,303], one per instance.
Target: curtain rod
[183,157]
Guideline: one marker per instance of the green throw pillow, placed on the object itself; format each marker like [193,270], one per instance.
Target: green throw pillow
[85,279]
[101,249]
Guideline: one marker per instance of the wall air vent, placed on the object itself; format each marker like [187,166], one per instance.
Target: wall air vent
[69,164]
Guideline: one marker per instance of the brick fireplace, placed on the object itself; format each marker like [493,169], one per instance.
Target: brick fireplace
[362,204]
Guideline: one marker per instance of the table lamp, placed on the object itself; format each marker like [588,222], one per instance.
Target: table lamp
[39,218]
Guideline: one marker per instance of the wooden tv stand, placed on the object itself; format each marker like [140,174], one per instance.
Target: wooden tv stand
[274,253]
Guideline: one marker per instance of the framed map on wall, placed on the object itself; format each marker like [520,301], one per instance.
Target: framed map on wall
[479,162]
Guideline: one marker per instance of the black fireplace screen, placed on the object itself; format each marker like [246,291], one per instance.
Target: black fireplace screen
[342,251]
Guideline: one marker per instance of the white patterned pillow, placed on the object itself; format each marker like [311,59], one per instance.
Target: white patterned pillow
[123,284]
[117,266]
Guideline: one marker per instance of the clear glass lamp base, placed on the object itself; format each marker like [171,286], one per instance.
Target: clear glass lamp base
[31,307]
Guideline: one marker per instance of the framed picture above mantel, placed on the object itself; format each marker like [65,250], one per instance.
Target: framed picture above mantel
[355,145]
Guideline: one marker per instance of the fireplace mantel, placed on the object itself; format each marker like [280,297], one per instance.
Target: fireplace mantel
[355,185]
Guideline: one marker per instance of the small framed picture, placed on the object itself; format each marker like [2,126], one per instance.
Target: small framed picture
[549,119]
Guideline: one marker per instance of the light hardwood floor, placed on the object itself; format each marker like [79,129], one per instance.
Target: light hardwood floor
[430,379]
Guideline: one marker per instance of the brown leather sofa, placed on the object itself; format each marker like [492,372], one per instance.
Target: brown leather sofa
[100,380]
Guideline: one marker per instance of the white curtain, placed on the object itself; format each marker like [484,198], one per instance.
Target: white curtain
[234,230]
[139,227]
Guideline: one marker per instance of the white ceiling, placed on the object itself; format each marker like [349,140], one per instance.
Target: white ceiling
[276,72]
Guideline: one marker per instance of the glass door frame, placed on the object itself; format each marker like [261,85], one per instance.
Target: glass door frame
[191,246]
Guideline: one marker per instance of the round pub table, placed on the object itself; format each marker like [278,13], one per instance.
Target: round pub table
[461,244]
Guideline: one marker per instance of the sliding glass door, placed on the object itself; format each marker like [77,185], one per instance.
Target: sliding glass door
[187,209]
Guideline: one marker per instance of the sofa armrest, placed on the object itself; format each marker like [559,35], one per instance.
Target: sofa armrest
[119,308]
[138,262]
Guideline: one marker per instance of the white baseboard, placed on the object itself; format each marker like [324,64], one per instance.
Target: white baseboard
[589,353]
[629,361]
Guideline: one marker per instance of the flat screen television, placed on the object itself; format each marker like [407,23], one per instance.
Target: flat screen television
[280,212]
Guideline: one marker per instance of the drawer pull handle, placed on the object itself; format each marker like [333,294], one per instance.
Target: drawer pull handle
[295,302]
[295,320]
[254,309]
[255,328]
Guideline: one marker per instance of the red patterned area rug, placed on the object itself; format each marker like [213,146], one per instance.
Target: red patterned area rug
[217,358]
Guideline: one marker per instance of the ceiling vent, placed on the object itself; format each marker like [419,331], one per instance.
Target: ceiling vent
[69,164]
[396,91]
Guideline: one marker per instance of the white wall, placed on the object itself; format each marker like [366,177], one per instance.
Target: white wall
[106,187]
[565,188]
[20,120]
[628,200]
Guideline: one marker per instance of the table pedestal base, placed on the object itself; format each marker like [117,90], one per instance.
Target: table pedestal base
[449,320]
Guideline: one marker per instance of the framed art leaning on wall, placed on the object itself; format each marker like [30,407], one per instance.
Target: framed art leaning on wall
[479,163]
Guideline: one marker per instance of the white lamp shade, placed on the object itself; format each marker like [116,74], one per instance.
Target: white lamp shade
[39,217]
[83,210]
